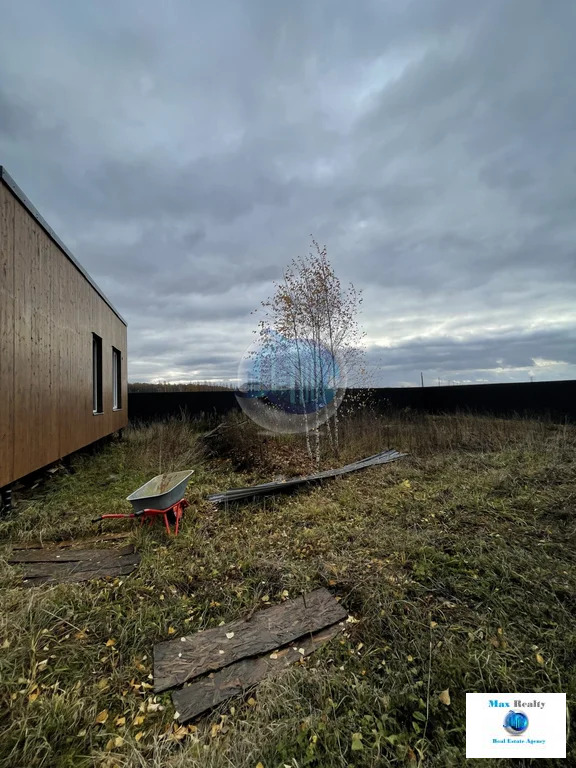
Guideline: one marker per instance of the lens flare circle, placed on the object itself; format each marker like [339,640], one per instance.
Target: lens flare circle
[289,385]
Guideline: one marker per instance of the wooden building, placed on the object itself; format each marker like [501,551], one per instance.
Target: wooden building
[62,346]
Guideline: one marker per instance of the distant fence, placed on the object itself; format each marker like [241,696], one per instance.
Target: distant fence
[554,399]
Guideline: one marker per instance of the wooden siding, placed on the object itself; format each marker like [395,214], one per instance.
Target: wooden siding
[48,313]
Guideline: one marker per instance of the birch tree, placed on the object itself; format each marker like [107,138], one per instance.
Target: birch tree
[318,319]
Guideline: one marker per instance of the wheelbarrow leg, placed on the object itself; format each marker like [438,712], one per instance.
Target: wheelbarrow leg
[177,516]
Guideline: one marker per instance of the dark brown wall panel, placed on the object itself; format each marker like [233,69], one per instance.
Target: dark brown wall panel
[47,328]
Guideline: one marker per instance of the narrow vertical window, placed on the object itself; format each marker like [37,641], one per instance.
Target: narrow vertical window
[117,378]
[96,374]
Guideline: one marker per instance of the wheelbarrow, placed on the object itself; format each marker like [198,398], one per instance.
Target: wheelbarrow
[163,496]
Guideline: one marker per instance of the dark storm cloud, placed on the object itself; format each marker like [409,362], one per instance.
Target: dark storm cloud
[184,152]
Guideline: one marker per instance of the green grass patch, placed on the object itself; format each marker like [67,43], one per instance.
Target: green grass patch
[457,563]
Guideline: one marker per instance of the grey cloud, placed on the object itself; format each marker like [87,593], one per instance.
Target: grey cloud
[185,156]
[447,355]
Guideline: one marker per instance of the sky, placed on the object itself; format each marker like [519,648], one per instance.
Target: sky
[185,152]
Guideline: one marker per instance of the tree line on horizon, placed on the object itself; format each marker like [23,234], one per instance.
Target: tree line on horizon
[189,386]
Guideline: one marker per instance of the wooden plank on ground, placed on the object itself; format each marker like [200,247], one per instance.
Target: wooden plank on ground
[68,555]
[180,660]
[51,545]
[69,566]
[73,576]
[211,690]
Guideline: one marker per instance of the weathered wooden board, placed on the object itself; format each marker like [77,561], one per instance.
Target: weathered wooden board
[180,660]
[211,690]
[68,555]
[52,545]
[72,576]
[49,566]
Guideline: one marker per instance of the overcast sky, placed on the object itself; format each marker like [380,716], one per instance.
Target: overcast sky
[185,152]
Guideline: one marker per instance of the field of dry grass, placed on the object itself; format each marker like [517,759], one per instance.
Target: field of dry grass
[458,563]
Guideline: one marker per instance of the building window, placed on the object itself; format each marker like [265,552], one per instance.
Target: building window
[96,374]
[117,378]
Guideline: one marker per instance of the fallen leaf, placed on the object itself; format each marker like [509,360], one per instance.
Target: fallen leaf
[301,651]
[357,742]
[120,721]
[445,697]
[42,665]
[101,717]
[110,643]
[433,624]
[33,696]
[273,655]
[266,599]
[6,643]
[259,765]
[139,735]
[103,684]
[138,720]
[252,702]
[171,631]
[229,635]
[539,658]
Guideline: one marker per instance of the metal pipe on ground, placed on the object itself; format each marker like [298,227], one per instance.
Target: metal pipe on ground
[267,488]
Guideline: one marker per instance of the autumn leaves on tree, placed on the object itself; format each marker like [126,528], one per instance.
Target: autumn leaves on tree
[310,329]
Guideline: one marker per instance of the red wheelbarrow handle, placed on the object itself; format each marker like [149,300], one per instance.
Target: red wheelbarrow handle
[116,515]
[142,513]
